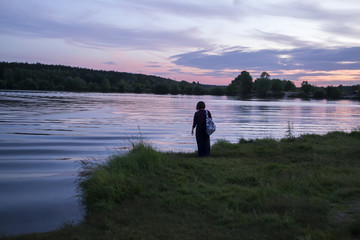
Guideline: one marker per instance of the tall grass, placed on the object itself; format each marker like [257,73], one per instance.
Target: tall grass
[120,178]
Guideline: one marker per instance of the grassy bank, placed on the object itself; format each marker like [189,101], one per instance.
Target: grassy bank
[303,188]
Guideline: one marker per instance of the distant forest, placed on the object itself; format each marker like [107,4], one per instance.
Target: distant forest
[25,76]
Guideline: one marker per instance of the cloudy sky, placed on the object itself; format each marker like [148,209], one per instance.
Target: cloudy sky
[210,41]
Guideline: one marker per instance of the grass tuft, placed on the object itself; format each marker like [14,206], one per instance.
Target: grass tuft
[120,178]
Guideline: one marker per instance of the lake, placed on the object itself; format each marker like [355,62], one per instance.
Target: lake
[43,135]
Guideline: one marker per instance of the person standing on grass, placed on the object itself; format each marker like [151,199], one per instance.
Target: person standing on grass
[202,138]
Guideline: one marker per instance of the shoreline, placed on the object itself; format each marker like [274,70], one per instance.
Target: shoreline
[304,187]
[287,95]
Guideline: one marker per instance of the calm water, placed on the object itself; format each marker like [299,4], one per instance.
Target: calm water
[44,134]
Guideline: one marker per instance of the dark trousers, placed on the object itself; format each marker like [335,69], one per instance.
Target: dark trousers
[203,143]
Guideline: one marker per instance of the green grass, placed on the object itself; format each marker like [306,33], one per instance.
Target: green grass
[297,188]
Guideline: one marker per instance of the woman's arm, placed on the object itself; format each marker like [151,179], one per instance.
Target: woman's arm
[194,124]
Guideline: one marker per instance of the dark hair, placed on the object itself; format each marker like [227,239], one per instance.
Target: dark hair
[200,105]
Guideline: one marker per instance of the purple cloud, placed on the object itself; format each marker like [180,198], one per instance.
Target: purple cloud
[153,66]
[307,58]
[24,22]
[110,63]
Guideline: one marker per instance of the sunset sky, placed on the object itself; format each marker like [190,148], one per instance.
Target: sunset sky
[210,41]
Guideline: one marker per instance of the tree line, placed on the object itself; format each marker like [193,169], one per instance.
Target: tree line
[244,86]
[329,92]
[25,76]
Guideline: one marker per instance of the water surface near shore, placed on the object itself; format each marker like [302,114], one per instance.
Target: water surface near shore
[44,134]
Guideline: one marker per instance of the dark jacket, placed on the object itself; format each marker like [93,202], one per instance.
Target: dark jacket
[200,120]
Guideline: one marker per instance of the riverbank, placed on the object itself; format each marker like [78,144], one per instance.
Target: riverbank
[302,188]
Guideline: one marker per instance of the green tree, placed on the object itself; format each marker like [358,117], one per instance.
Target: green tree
[231,90]
[120,86]
[161,88]
[80,84]
[59,88]
[188,90]
[306,87]
[262,86]
[318,93]
[75,84]
[105,84]
[333,92]
[242,84]
[94,87]
[217,91]
[44,84]
[8,74]
[277,86]
[3,84]
[246,83]
[138,88]
[289,86]
[182,87]
[28,84]
[174,89]
[265,75]
[199,90]
[9,78]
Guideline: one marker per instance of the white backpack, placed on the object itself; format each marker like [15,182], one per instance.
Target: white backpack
[210,125]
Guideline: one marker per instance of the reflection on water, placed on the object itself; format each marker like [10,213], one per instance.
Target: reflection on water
[43,134]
